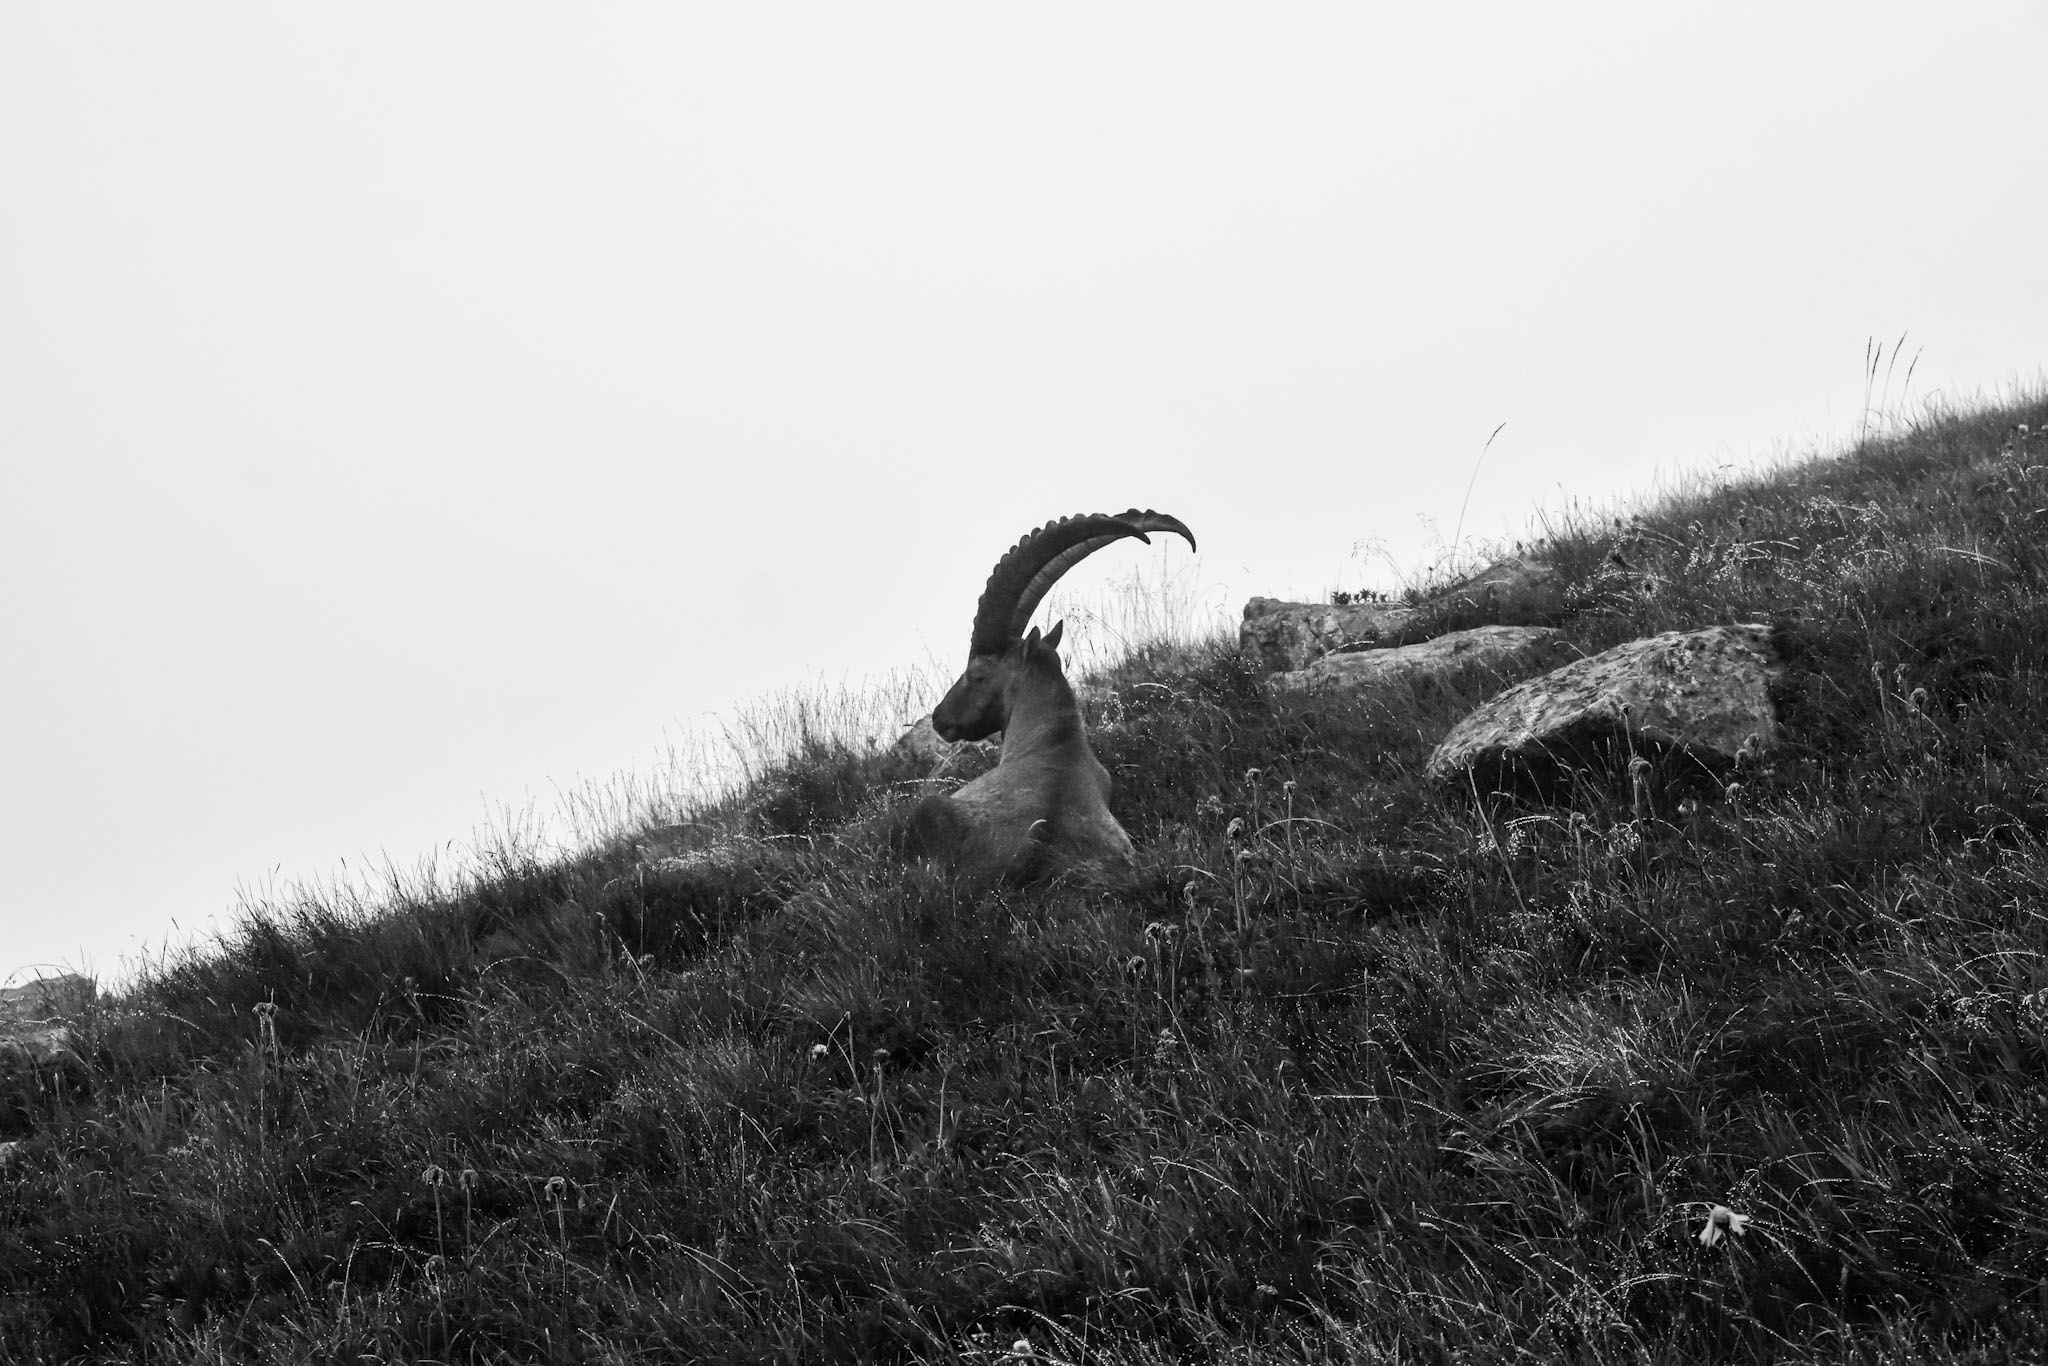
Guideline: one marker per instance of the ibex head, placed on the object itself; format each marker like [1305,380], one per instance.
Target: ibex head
[978,704]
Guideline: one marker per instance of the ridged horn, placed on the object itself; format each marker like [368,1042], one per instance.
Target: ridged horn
[1033,565]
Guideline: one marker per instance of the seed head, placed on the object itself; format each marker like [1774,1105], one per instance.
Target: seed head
[1719,1218]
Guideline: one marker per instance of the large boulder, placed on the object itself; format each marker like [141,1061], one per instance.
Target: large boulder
[1509,651]
[1687,701]
[1286,636]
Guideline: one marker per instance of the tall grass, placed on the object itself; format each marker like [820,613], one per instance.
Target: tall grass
[1357,1073]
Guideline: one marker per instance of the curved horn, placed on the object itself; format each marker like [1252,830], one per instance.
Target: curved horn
[1033,565]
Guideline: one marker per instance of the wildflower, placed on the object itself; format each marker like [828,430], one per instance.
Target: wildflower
[1234,829]
[1718,1218]
[819,1050]
[468,1180]
[1020,1350]
[434,1176]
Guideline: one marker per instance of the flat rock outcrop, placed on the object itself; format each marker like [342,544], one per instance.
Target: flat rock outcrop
[1701,694]
[1511,651]
[1287,636]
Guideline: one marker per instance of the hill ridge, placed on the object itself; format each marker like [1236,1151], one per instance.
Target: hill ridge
[1353,1073]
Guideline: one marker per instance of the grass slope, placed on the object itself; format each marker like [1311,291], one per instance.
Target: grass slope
[1358,1075]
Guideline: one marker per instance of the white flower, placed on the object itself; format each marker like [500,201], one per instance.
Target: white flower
[1718,1218]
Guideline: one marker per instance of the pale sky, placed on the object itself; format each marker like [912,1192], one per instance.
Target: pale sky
[411,411]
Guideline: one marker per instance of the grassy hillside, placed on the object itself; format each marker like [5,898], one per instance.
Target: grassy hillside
[1360,1074]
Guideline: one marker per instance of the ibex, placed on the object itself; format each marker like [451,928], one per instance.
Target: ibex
[1044,809]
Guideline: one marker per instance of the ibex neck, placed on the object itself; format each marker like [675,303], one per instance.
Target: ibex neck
[1043,713]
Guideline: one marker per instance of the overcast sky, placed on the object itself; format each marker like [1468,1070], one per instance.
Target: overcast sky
[411,411]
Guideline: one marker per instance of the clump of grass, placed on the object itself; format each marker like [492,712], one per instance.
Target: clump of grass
[1356,1072]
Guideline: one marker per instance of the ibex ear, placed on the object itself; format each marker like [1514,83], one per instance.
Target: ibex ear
[1052,637]
[1031,639]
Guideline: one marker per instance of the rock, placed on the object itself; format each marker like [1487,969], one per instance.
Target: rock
[38,1065]
[47,998]
[922,751]
[659,842]
[920,745]
[1511,651]
[1289,636]
[38,1068]
[39,1047]
[1516,591]
[1285,636]
[1700,694]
